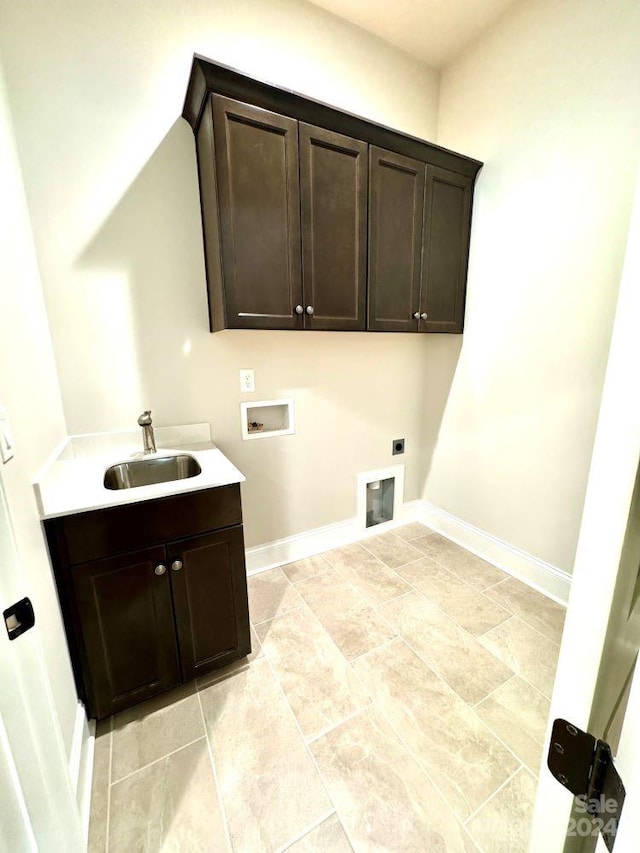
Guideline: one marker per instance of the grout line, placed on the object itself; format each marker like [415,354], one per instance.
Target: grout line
[306,831]
[495,793]
[281,613]
[346,719]
[223,812]
[495,689]
[375,648]
[156,760]
[316,575]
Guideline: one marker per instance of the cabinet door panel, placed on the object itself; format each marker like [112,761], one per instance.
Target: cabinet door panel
[256,155]
[445,250]
[333,187]
[210,599]
[396,203]
[126,623]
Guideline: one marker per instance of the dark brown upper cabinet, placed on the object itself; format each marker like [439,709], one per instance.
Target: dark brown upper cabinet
[314,218]
[445,250]
[396,204]
[256,164]
[333,190]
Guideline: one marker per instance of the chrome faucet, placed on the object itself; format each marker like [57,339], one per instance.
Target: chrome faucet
[147,432]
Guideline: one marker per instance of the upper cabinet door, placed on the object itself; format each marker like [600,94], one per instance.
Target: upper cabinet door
[333,186]
[209,584]
[256,155]
[445,250]
[396,203]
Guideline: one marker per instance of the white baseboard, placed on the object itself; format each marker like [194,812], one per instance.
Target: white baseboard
[542,576]
[81,764]
[548,579]
[311,542]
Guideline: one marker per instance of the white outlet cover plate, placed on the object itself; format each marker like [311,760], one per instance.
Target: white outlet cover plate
[6,439]
[247,380]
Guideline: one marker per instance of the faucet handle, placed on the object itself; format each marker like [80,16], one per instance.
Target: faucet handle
[145,418]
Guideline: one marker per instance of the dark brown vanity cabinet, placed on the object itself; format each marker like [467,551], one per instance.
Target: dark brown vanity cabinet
[143,617]
[316,219]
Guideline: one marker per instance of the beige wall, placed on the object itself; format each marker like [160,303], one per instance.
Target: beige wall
[29,389]
[96,92]
[549,99]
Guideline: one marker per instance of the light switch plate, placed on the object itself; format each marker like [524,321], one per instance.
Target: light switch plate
[6,439]
[247,380]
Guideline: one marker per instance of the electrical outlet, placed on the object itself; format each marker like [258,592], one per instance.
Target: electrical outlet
[398,446]
[247,381]
[6,440]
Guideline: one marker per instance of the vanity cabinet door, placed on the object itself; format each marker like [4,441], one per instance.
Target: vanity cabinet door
[396,203]
[209,583]
[125,620]
[333,188]
[447,223]
[256,156]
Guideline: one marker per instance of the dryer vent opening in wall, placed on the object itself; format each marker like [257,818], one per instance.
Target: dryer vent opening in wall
[380,496]
[380,501]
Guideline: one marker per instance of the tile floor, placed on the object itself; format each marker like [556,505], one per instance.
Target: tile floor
[395,700]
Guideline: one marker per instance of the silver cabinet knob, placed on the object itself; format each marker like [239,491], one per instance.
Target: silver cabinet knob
[424,315]
[160,569]
[176,565]
[309,309]
[299,309]
[416,316]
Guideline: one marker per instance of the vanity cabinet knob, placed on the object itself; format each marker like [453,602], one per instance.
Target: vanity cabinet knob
[424,315]
[160,569]
[309,309]
[416,316]
[299,309]
[176,565]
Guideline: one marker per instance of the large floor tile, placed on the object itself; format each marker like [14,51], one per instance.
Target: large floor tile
[526,651]
[383,798]
[391,549]
[172,806]
[504,824]
[518,713]
[455,655]
[465,604]
[413,530]
[353,625]
[470,568]
[270,788]
[464,759]
[328,837]
[148,731]
[373,578]
[320,685]
[270,593]
[532,607]
[100,789]
[306,568]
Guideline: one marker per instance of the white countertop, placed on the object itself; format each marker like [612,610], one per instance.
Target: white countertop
[74,480]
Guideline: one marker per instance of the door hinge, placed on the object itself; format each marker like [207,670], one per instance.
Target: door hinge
[584,765]
[19,618]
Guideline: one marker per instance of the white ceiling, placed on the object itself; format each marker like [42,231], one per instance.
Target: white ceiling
[434,31]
